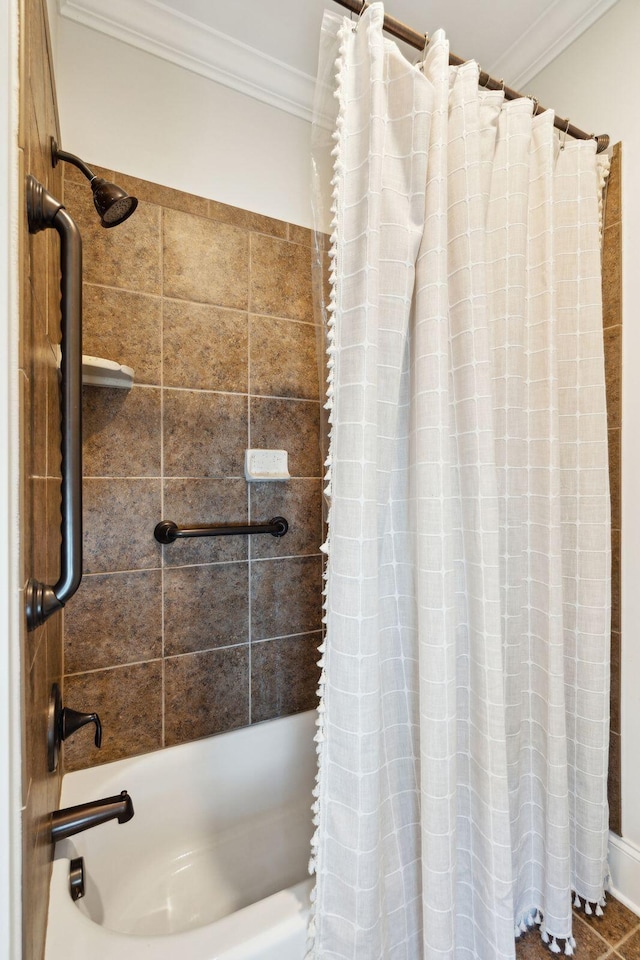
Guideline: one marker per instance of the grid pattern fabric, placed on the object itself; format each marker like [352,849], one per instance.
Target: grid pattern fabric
[463,727]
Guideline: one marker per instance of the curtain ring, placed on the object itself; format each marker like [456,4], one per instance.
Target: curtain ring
[564,135]
[535,101]
[419,63]
[362,10]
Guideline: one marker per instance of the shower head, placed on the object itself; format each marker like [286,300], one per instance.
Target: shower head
[111,202]
[114,205]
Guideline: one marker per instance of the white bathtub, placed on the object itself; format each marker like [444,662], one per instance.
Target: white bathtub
[213,866]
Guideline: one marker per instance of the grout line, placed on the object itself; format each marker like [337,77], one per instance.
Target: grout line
[226,393]
[289,636]
[192,653]
[198,303]
[205,563]
[626,937]
[110,573]
[292,556]
[135,293]
[160,660]
[273,316]
[233,393]
[167,478]
[115,666]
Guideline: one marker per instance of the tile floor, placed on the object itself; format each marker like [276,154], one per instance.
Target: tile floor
[614,936]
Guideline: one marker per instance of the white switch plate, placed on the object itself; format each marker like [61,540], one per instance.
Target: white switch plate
[266,465]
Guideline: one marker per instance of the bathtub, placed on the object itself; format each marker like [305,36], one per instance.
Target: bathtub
[213,866]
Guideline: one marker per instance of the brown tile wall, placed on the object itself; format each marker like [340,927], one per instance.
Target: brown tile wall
[612,319]
[40,464]
[212,307]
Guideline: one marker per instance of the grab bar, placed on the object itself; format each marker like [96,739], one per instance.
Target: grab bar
[43,212]
[168,532]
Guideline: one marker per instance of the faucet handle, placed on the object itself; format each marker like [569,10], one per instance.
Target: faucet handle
[62,722]
[72,720]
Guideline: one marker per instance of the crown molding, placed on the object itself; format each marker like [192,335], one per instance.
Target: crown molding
[560,24]
[157,29]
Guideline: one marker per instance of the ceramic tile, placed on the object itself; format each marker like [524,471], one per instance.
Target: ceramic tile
[615,786]
[630,948]
[205,434]
[284,358]
[129,702]
[38,373]
[206,693]
[613,373]
[615,580]
[124,326]
[54,315]
[300,235]
[53,535]
[54,435]
[113,619]
[281,279]
[192,502]
[612,276]
[284,676]
[121,432]
[204,347]
[37,487]
[205,607]
[616,686]
[285,596]
[163,196]
[292,425]
[617,921]
[119,517]
[613,207]
[615,477]
[205,261]
[255,222]
[127,256]
[300,503]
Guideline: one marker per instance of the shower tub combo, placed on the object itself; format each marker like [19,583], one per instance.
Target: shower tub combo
[213,866]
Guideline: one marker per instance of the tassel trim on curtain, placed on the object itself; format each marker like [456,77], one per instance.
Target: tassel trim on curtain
[319,737]
[532,918]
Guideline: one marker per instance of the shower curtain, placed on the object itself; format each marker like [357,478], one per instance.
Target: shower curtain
[463,725]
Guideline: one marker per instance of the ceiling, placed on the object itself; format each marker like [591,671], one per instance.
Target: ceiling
[268,48]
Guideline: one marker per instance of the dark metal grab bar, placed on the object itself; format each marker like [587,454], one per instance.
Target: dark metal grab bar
[43,212]
[168,532]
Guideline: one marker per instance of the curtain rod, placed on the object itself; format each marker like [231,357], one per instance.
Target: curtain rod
[420,40]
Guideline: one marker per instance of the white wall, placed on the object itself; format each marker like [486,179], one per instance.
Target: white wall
[596,82]
[127,110]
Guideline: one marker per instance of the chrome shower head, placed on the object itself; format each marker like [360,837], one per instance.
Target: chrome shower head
[114,205]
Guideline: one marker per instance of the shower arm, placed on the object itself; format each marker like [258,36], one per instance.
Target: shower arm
[45,212]
[57,155]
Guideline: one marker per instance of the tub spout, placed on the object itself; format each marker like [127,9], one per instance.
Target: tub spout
[64,823]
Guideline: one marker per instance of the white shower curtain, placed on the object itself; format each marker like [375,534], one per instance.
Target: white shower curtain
[463,727]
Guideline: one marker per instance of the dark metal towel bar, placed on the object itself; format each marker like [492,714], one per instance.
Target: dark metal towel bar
[167,531]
